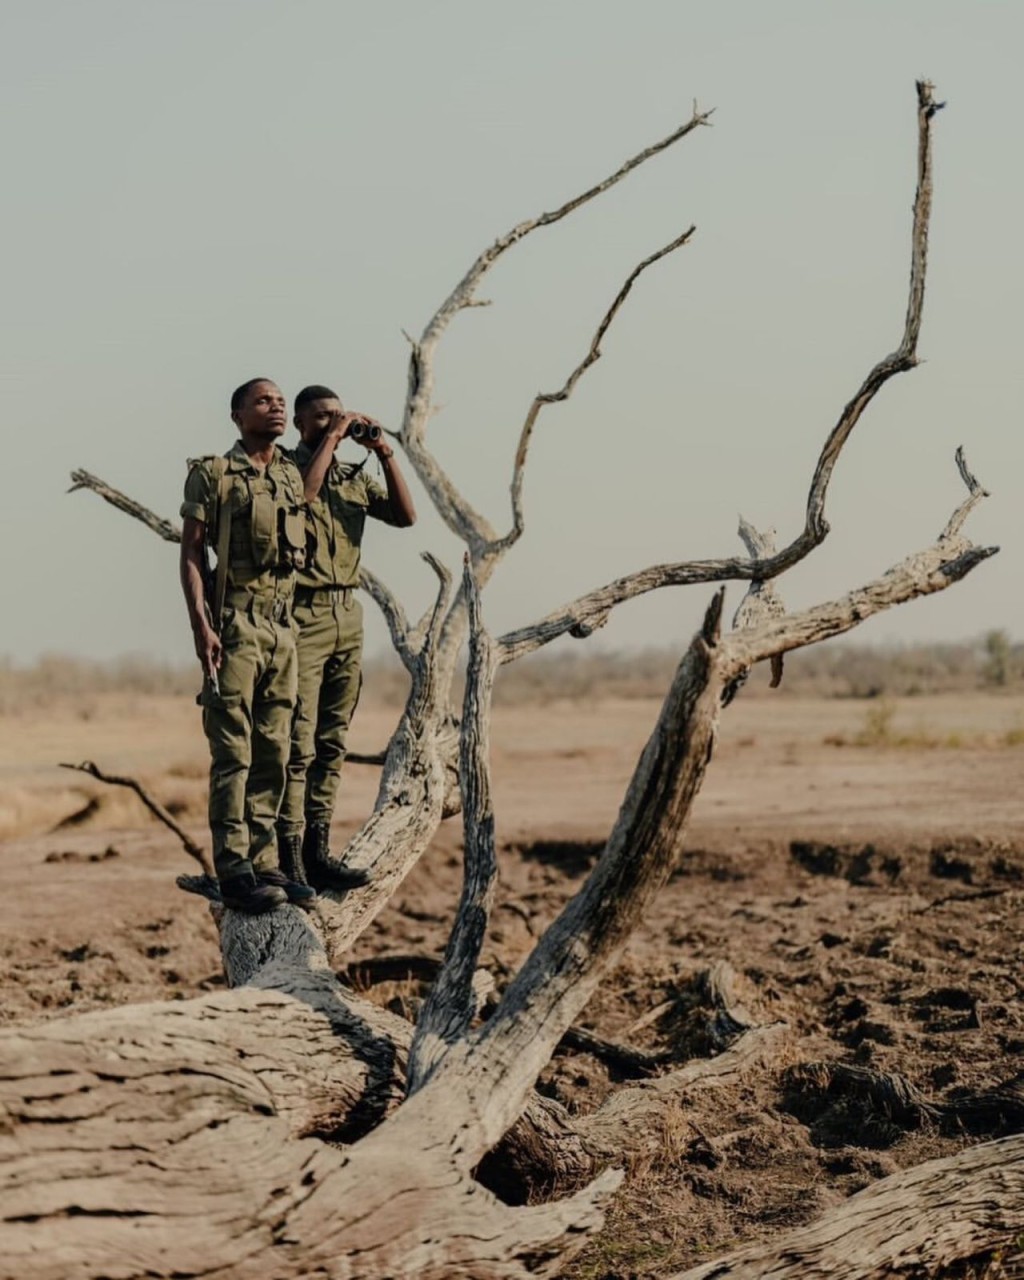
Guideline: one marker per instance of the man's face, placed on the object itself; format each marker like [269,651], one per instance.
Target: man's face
[264,413]
[314,418]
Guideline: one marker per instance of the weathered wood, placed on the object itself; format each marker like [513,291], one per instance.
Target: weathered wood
[449,1009]
[897,1100]
[922,1223]
[728,1019]
[118,1126]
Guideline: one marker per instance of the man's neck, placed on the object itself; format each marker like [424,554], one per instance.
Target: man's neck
[260,449]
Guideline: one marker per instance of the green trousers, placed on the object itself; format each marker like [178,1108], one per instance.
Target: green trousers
[330,650]
[248,726]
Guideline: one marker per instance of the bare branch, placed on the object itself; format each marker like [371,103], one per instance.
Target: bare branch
[162,528]
[975,493]
[577,617]
[375,758]
[905,356]
[451,1005]
[457,513]
[503,1058]
[582,616]
[426,632]
[621,1057]
[394,614]
[951,558]
[554,397]
[411,643]
[759,545]
[463,294]
[920,574]
[455,510]
[154,806]
[762,599]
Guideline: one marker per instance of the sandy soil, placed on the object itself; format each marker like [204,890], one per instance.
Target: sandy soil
[868,894]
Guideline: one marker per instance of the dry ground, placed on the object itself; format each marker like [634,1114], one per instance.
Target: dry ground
[861,866]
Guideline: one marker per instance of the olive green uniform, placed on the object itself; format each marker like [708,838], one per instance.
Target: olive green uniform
[330,639]
[248,722]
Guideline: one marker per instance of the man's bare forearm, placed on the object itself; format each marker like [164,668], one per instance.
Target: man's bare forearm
[195,593]
[191,572]
[207,643]
[320,463]
[402,507]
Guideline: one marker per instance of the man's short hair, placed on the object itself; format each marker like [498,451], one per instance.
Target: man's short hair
[308,394]
[239,394]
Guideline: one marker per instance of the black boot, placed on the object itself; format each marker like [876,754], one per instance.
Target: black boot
[292,875]
[323,871]
[246,893]
[289,855]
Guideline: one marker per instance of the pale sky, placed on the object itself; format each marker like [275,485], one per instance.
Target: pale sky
[202,191]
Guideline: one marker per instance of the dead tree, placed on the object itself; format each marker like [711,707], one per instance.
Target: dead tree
[289,1127]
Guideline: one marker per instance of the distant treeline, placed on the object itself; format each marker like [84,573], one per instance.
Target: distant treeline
[992,661]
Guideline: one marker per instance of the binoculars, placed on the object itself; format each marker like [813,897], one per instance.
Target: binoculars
[362,432]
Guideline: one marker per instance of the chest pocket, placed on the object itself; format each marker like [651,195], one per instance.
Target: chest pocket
[350,515]
[268,530]
[292,538]
[263,521]
[241,523]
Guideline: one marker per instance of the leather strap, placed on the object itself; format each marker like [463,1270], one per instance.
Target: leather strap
[220,471]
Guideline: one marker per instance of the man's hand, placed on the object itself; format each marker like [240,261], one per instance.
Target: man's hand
[340,424]
[379,446]
[209,651]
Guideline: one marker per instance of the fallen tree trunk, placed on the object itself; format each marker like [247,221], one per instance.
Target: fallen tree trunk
[920,1223]
[122,1128]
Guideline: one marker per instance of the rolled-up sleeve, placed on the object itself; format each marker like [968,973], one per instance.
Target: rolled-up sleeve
[198,492]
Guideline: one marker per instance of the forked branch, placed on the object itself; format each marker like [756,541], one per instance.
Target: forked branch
[554,397]
[948,560]
[463,295]
[154,806]
[580,616]
[501,1061]
[453,507]
[975,493]
[162,528]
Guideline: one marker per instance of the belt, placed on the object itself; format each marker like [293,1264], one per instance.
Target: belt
[309,595]
[274,607]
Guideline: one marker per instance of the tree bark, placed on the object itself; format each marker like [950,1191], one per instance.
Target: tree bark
[920,1223]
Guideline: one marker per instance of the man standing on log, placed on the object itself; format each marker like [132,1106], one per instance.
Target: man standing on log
[330,621]
[248,506]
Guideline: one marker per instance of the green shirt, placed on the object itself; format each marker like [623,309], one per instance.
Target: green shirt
[267,510]
[335,521]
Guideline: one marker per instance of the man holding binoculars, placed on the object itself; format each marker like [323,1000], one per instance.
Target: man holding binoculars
[329,618]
